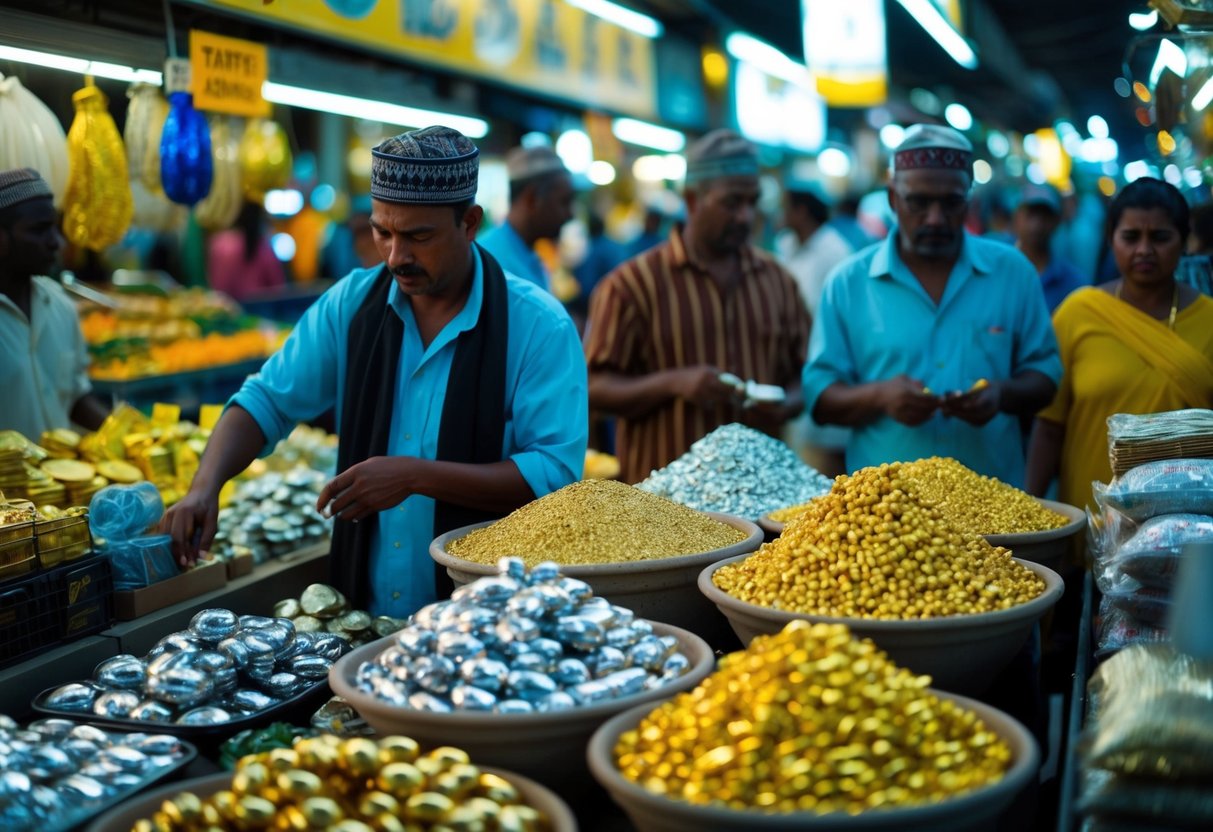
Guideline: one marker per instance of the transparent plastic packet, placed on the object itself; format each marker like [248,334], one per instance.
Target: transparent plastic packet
[1170,486]
[1153,553]
[1136,800]
[1116,629]
[1152,715]
[1145,604]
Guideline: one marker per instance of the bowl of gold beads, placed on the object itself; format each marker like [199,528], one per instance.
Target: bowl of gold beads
[888,564]
[348,785]
[811,728]
[639,550]
[515,662]
[1041,531]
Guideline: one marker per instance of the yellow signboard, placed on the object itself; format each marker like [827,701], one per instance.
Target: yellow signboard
[543,46]
[227,74]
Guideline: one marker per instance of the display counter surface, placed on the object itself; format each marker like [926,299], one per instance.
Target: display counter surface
[253,594]
[142,385]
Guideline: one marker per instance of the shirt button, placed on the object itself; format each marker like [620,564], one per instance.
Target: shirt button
[395,596]
[397,544]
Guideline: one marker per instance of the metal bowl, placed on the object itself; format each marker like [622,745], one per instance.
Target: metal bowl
[961,653]
[549,747]
[977,810]
[661,589]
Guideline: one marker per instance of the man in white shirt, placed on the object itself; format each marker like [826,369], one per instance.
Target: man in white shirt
[44,372]
[810,249]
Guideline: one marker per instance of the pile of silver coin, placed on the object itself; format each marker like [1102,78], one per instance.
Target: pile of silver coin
[55,773]
[223,667]
[272,515]
[521,642]
[740,471]
[322,608]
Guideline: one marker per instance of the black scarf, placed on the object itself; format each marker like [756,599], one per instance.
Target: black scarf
[473,414]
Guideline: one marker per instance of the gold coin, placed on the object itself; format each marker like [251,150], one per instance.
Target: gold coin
[63,437]
[69,470]
[119,471]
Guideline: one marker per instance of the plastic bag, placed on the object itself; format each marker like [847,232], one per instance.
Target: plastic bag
[1149,605]
[1152,555]
[1173,486]
[1117,630]
[1153,714]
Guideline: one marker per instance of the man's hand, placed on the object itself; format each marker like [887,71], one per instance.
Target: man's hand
[192,523]
[977,407]
[768,417]
[907,400]
[702,386]
[366,488]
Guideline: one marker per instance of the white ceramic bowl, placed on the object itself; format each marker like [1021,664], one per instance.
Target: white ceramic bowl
[961,653]
[660,589]
[123,816]
[549,747]
[977,810]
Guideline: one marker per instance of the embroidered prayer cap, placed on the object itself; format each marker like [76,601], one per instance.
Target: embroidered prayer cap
[523,163]
[21,184]
[933,146]
[718,154]
[1045,196]
[435,166]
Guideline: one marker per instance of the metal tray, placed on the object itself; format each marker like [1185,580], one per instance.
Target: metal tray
[298,710]
[78,818]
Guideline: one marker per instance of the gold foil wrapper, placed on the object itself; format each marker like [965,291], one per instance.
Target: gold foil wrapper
[98,205]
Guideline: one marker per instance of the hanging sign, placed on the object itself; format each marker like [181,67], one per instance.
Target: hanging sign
[227,74]
[542,46]
[844,48]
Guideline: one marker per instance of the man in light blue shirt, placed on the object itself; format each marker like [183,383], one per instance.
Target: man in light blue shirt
[936,341]
[541,202]
[460,390]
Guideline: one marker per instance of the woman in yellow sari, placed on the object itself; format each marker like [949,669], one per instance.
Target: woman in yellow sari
[1140,344]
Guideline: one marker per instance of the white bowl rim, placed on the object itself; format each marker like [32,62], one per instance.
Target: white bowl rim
[752,541]
[1054,586]
[1016,776]
[1078,521]
[490,720]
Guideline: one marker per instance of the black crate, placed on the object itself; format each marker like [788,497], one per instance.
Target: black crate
[28,621]
[82,593]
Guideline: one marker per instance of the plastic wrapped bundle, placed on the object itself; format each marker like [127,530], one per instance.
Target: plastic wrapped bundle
[98,206]
[145,117]
[219,208]
[31,136]
[1173,486]
[185,151]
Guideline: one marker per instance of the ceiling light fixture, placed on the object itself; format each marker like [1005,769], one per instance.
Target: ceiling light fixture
[348,105]
[767,58]
[629,19]
[1170,56]
[308,99]
[634,131]
[940,28]
[1143,20]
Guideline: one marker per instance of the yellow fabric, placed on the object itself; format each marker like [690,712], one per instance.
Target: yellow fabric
[1116,359]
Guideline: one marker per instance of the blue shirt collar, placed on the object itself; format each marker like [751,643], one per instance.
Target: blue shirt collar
[886,259]
[463,321]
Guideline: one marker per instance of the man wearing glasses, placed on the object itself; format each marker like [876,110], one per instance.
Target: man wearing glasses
[935,341]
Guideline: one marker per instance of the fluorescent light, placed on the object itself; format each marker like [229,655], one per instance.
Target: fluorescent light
[982,172]
[770,60]
[1203,96]
[576,150]
[958,116]
[891,135]
[633,21]
[325,102]
[347,105]
[101,69]
[633,131]
[1143,20]
[602,172]
[1169,57]
[930,18]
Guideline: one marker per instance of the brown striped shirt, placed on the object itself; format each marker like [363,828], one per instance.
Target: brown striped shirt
[661,311]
